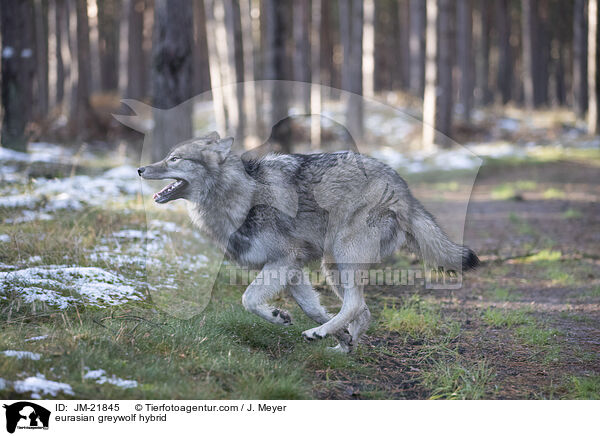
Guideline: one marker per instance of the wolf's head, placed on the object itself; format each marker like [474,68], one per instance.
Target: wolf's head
[193,164]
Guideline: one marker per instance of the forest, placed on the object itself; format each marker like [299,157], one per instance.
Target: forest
[67,63]
[487,108]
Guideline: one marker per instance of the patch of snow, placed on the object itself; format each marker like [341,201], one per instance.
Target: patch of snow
[135,234]
[416,162]
[22,354]
[391,157]
[100,376]
[508,124]
[27,216]
[8,52]
[13,155]
[460,159]
[96,286]
[53,298]
[497,150]
[39,386]
[34,259]
[22,200]
[4,238]
[3,384]
[166,226]
[36,338]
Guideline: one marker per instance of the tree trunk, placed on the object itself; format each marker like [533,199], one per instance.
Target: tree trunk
[344,9]
[52,53]
[249,86]
[275,60]
[368,48]
[541,53]
[171,74]
[301,25]
[580,58]
[233,72]
[62,49]
[404,44]
[504,51]
[464,39]
[136,65]
[559,52]
[482,67]
[94,43]
[529,31]
[437,104]
[417,46]
[315,61]
[41,55]
[445,57]
[214,64]
[200,53]
[18,67]
[81,109]
[354,105]
[592,72]
[109,12]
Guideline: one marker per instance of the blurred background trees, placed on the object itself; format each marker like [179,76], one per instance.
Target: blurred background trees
[67,63]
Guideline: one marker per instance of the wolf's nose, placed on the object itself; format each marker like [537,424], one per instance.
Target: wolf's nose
[141,170]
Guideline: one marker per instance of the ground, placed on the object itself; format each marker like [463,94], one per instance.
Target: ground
[525,325]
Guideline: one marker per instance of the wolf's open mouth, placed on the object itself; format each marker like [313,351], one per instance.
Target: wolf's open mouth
[169,192]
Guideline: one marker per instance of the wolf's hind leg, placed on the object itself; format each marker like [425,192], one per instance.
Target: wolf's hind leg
[360,324]
[352,305]
[308,300]
[268,283]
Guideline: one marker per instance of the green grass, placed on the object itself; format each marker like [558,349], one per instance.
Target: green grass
[584,388]
[505,318]
[542,256]
[415,318]
[571,214]
[561,278]
[521,225]
[505,294]
[553,193]
[459,380]
[535,335]
[503,192]
[511,190]
[527,330]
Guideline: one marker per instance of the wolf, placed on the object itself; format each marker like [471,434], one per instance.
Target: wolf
[279,212]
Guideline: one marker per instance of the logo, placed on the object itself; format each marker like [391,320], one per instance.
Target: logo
[26,415]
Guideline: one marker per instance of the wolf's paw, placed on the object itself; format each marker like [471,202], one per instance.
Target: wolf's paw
[341,348]
[313,334]
[281,317]
[345,338]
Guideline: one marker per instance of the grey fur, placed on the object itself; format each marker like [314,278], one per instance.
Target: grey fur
[279,212]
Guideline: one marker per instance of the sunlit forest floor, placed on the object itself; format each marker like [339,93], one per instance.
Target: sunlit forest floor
[78,320]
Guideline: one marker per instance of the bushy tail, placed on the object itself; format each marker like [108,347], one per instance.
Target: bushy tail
[437,250]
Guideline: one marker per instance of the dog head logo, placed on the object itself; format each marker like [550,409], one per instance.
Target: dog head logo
[26,415]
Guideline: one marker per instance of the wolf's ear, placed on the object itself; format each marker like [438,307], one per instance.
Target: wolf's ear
[212,136]
[223,147]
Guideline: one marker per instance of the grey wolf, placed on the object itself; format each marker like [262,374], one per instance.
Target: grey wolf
[279,212]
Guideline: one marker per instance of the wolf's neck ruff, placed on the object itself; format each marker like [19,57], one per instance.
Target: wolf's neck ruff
[223,208]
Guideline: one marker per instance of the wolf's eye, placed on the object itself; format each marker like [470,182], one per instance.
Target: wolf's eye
[174,159]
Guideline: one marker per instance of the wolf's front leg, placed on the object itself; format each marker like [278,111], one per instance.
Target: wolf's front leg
[268,283]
